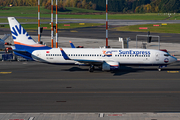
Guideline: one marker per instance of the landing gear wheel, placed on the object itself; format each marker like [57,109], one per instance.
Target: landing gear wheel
[91,68]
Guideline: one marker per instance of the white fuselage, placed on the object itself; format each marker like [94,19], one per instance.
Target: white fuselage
[122,56]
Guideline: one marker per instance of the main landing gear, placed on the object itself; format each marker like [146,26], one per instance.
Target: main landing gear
[91,68]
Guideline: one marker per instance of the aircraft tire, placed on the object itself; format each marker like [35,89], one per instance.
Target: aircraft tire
[91,68]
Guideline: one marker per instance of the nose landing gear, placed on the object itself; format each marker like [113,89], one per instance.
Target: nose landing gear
[160,67]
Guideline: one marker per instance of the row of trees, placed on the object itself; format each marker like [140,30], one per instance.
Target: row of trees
[47,3]
[162,6]
[18,2]
[70,3]
[119,5]
[138,6]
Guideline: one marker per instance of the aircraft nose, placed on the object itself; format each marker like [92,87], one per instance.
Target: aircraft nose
[173,59]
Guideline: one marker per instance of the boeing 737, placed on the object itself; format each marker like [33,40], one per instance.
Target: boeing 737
[105,58]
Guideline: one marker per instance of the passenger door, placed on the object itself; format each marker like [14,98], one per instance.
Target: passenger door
[157,57]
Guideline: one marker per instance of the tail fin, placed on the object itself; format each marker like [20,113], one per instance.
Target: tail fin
[22,40]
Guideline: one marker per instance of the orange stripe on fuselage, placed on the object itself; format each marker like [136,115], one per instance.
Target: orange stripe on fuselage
[114,65]
[34,45]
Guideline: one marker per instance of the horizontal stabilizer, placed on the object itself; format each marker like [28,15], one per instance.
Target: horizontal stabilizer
[20,51]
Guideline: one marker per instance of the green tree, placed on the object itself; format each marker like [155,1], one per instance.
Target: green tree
[83,3]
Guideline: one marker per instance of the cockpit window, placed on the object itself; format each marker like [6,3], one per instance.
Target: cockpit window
[167,54]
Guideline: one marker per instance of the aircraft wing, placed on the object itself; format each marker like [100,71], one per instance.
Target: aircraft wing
[88,61]
[81,60]
[72,45]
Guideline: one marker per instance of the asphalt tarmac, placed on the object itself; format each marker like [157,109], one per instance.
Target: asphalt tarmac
[38,87]
[100,33]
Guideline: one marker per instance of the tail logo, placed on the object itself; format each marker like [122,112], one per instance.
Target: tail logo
[19,31]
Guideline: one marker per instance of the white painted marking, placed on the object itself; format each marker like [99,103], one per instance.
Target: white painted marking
[31,118]
[101,115]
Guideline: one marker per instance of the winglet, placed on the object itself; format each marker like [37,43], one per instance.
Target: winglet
[72,45]
[64,54]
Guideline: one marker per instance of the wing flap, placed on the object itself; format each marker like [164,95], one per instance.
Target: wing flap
[88,61]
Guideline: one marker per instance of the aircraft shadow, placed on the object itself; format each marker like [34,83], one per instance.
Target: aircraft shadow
[123,70]
[73,69]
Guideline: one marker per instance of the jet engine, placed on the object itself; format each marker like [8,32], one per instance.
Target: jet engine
[106,66]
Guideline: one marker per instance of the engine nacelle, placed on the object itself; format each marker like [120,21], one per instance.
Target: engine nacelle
[110,66]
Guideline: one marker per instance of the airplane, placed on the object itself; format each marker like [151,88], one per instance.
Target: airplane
[2,41]
[105,58]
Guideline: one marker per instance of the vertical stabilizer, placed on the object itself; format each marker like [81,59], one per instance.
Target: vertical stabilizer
[21,38]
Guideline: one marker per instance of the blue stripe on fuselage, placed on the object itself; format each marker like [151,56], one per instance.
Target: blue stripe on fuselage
[29,50]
